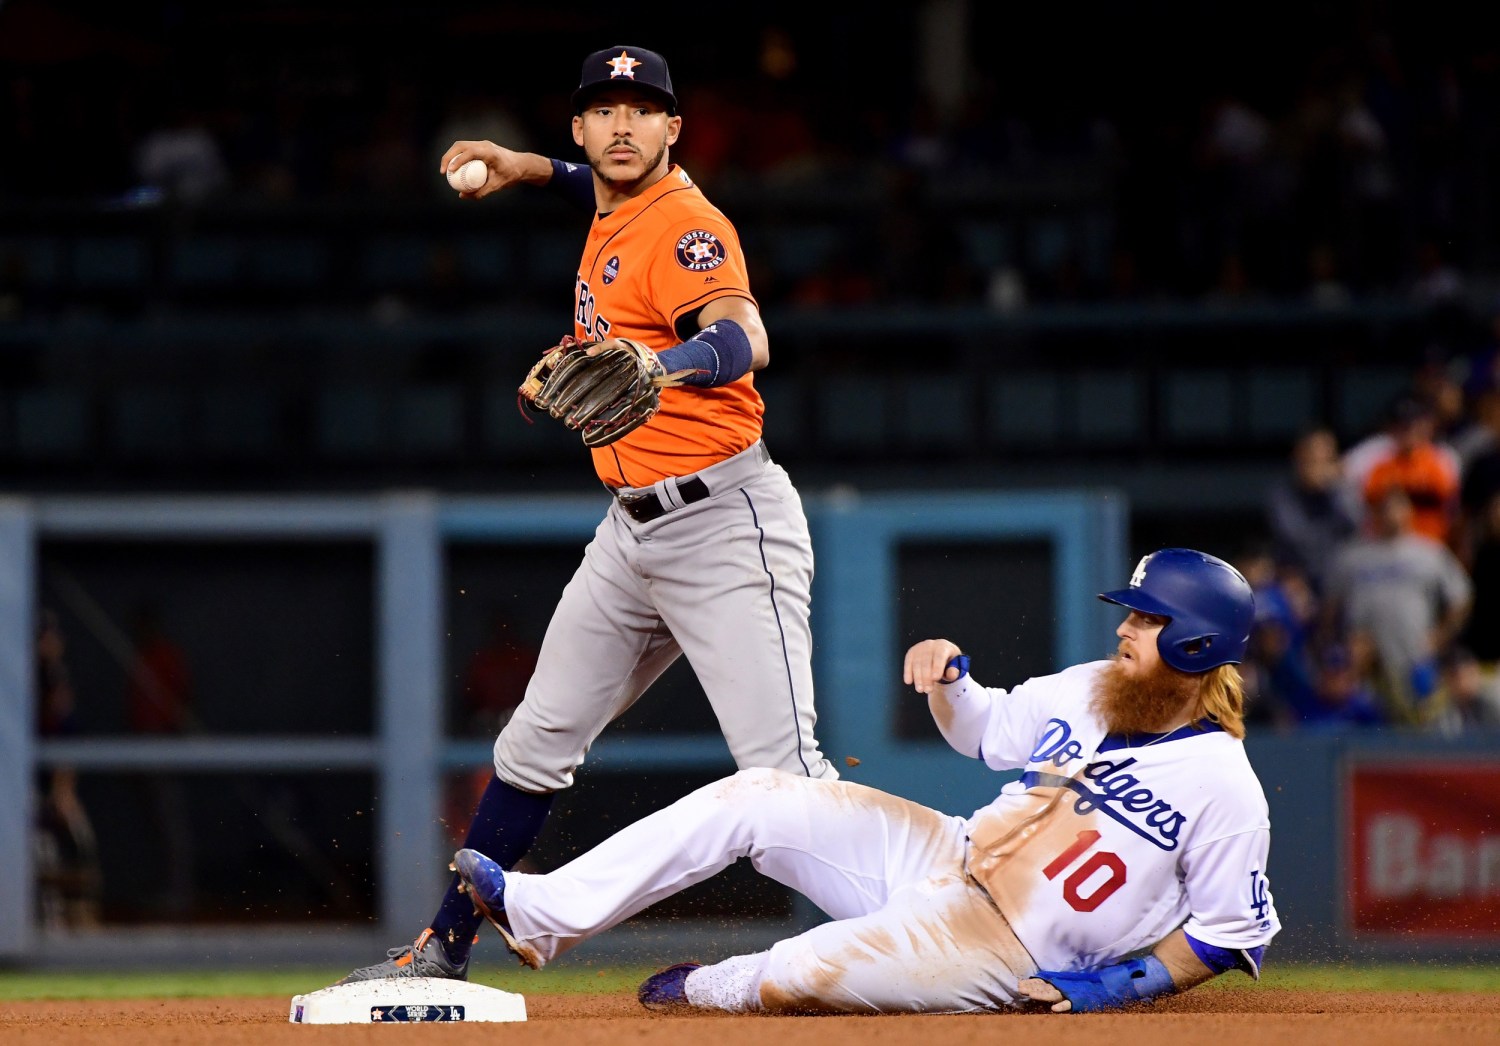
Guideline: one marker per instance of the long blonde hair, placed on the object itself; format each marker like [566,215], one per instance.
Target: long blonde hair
[1221,697]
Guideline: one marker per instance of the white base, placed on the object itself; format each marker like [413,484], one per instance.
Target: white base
[406,1000]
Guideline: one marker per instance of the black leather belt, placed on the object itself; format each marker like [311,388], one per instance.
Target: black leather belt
[643,508]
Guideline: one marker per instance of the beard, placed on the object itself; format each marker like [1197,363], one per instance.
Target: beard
[1129,705]
[623,184]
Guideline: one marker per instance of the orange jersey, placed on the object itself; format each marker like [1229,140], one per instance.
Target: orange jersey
[1428,479]
[647,265]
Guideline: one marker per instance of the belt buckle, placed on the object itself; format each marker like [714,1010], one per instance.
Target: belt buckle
[638,506]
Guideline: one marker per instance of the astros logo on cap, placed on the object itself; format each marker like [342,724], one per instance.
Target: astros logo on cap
[623,65]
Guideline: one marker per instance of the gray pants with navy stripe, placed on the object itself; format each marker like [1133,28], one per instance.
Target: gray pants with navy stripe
[726,581]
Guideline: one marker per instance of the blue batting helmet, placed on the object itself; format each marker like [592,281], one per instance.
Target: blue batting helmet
[1209,605]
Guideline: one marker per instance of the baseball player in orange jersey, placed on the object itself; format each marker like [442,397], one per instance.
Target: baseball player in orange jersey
[705,549]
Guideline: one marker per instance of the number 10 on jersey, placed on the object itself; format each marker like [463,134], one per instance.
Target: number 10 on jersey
[1084,873]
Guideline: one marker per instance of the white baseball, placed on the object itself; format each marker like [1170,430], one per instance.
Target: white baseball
[470,176]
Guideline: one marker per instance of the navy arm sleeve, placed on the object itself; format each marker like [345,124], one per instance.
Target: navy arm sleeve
[574,184]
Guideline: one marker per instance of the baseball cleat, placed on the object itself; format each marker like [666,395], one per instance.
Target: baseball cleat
[424,957]
[483,882]
[667,989]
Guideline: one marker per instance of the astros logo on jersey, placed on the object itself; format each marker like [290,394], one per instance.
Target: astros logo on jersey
[699,251]
[611,270]
[623,65]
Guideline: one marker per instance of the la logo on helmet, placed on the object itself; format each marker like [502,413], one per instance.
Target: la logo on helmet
[1139,577]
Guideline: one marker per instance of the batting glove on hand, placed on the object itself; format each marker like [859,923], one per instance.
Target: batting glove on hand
[1110,988]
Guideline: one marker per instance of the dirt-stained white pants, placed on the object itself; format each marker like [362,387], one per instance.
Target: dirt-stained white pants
[910,931]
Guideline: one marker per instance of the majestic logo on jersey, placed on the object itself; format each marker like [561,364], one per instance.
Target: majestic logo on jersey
[1115,793]
[622,65]
[611,270]
[699,251]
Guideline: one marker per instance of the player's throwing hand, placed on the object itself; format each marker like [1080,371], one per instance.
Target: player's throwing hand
[927,664]
[506,166]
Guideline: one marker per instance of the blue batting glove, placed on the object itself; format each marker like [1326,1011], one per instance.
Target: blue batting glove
[1113,986]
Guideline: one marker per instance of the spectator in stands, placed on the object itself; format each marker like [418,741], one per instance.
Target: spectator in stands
[1481,472]
[1274,662]
[1399,597]
[1422,468]
[1438,283]
[1481,633]
[158,697]
[181,158]
[1365,453]
[1310,512]
[1234,191]
[1368,184]
[1478,429]
[69,880]
[1468,704]
[1343,697]
[159,689]
[1326,286]
[1479,432]
[1277,666]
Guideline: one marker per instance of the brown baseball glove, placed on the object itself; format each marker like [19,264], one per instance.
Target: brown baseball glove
[602,396]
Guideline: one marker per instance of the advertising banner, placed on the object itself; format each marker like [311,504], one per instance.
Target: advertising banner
[1422,850]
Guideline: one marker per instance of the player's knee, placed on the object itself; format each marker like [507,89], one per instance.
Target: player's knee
[757,785]
[517,765]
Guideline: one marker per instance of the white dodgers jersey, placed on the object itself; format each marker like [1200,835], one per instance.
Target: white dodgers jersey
[1107,844]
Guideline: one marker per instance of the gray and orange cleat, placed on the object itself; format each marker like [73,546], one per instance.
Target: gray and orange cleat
[667,989]
[424,957]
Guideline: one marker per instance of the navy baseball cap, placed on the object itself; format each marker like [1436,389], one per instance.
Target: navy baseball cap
[631,66]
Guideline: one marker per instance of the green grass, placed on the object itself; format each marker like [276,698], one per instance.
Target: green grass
[181,984]
[582,978]
[1377,977]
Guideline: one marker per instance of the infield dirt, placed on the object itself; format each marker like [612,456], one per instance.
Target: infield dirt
[1287,1018]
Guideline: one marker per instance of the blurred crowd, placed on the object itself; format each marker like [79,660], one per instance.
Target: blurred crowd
[1357,163]
[1377,578]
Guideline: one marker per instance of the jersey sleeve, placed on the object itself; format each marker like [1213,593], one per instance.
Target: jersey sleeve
[572,183]
[697,261]
[1229,896]
[1000,726]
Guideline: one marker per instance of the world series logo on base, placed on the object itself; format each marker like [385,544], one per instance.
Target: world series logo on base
[407,1000]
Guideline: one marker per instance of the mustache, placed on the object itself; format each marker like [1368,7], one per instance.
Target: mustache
[623,144]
